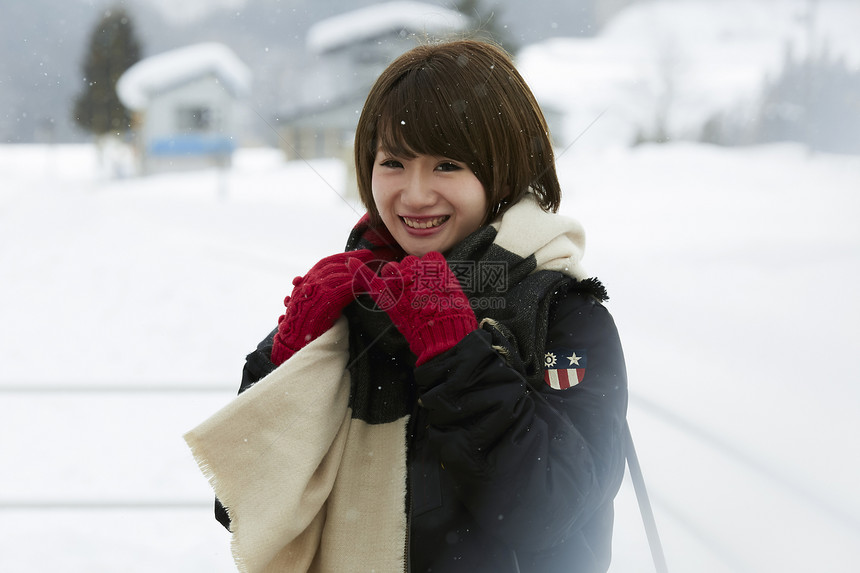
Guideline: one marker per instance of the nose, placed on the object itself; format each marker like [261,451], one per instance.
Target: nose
[417,191]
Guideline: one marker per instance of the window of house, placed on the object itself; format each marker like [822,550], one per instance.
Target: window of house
[196,118]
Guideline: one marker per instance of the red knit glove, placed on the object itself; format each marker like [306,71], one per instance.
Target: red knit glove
[317,301]
[424,300]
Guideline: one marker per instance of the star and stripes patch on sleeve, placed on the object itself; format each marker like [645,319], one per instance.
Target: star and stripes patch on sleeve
[564,368]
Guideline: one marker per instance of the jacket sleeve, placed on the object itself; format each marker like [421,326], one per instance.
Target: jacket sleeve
[258,364]
[534,463]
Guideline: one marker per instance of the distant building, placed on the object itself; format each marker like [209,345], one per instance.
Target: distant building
[187,105]
[349,52]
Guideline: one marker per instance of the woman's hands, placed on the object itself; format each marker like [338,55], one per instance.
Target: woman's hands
[424,300]
[316,302]
[422,296]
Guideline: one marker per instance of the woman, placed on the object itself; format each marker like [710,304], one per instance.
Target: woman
[449,393]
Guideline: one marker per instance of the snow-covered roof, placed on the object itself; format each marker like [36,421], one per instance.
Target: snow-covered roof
[154,74]
[378,19]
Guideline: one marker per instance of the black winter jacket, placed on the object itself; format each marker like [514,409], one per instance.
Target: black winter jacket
[505,474]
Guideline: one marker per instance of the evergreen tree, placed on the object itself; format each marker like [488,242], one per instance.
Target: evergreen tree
[816,101]
[113,48]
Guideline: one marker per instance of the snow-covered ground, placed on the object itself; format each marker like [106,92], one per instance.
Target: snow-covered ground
[733,276]
[127,307]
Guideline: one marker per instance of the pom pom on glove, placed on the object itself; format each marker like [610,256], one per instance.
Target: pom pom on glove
[317,300]
[423,298]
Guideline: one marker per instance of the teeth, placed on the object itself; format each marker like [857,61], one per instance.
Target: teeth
[425,223]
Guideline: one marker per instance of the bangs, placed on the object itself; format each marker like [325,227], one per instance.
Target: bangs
[419,117]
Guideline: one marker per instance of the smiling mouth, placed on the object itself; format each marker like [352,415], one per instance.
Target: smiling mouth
[424,222]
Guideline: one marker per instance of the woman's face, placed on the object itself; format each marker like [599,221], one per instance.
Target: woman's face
[427,203]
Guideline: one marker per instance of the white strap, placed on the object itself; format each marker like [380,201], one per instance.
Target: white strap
[644,504]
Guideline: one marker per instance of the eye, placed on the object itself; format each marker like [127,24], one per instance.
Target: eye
[448,166]
[391,163]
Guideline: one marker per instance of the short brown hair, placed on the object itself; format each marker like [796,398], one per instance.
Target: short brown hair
[463,100]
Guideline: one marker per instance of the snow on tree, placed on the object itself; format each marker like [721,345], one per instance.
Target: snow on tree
[816,101]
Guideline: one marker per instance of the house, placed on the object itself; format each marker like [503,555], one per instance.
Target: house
[347,53]
[187,105]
